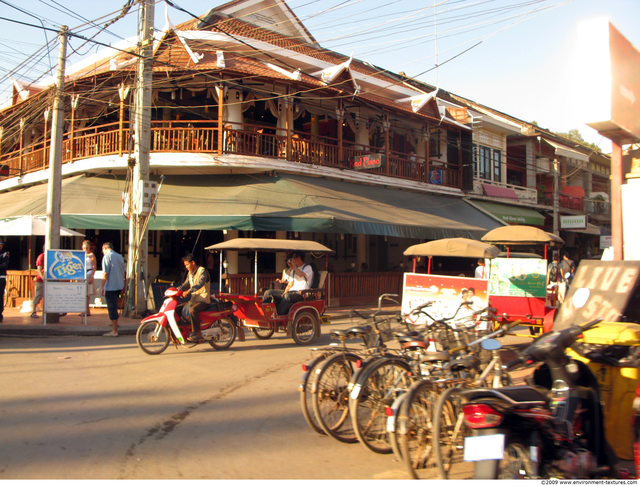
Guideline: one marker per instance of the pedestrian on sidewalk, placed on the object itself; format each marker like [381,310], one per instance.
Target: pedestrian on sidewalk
[4,264]
[90,264]
[39,297]
[112,283]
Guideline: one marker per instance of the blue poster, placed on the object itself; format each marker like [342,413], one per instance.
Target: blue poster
[65,265]
[436,176]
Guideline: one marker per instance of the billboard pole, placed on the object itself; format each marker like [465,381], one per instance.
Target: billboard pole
[617,179]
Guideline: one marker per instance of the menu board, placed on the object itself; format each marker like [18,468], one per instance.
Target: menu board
[65,297]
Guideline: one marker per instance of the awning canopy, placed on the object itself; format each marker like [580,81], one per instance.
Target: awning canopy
[567,152]
[263,203]
[591,229]
[511,214]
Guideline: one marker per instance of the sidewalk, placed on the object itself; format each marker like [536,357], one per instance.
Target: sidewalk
[17,323]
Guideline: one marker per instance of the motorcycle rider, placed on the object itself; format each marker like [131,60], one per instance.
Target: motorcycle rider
[198,288]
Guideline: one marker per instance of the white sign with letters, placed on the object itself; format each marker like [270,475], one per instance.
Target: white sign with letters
[65,297]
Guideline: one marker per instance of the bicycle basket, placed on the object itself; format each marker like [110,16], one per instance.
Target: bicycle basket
[384,328]
[370,338]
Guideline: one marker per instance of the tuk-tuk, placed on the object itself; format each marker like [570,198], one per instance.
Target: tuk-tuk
[304,319]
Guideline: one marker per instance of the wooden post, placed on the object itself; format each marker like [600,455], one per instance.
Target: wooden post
[74,102]
[46,121]
[287,125]
[123,95]
[340,113]
[387,125]
[220,91]
[21,145]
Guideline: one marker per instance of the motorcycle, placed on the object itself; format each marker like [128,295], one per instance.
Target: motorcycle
[552,428]
[218,324]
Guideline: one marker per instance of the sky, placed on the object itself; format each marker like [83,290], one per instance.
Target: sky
[515,56]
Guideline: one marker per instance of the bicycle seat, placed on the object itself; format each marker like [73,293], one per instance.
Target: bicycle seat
[413,345]
[358,331]
[338,334]
[515,395]
[463,363]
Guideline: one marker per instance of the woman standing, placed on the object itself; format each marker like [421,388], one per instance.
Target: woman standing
[90,264]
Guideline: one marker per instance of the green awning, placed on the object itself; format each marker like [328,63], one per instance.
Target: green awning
[510,214]
[263,203]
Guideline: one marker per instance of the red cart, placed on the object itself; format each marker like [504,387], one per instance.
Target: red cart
[531,310]
[303,321]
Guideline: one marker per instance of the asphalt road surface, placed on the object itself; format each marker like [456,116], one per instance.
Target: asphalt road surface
[99,408]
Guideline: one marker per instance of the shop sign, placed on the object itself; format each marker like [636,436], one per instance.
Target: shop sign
[573,222]
[363,162]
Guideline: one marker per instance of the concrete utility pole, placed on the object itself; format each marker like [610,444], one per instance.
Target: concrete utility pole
[54,196]
[138,234]
[55,157]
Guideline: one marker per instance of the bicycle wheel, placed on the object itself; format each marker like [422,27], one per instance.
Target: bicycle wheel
[377,388]
[331,396]
[449,431]
[306,398]
[415,427]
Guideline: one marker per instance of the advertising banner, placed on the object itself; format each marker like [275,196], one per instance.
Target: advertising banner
[446,293]
[518,277]
[65,265]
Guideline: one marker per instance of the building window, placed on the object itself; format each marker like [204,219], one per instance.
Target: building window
[484,162]
[497,166]
[434,144]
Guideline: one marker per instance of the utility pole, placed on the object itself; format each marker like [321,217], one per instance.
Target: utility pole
[139,211]
[54,195]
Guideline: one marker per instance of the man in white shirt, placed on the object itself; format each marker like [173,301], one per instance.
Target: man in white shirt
[300,280]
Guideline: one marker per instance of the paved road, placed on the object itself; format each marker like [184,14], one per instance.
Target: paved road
[76,407]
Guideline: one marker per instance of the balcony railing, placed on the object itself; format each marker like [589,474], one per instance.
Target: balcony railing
[565,201]
[251,140]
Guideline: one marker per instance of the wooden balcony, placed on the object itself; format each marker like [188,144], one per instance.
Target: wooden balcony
[251,140]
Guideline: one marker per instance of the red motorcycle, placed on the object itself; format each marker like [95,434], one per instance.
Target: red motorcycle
[218,324]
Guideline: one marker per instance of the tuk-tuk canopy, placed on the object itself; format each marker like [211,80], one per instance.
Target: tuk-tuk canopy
[454,247]
[267,244]
[522,235]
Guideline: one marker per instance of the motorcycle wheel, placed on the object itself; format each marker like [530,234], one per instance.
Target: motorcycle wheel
[304,328]
[263,332]
[152,338]
[516,464]
[229,331]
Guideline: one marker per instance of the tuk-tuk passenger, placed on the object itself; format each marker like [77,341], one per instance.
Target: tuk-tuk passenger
[301,280]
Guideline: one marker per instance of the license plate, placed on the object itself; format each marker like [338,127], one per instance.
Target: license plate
[484,447]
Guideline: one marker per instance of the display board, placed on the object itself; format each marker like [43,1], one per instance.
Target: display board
[65,265]
[518,277]
[65,297]
[446,293]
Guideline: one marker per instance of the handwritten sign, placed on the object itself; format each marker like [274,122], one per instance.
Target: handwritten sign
[65,265]
[614,291]
[65,297]
[372,161]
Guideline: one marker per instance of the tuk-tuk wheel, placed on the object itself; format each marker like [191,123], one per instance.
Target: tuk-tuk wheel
[304,329]
[263,332]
